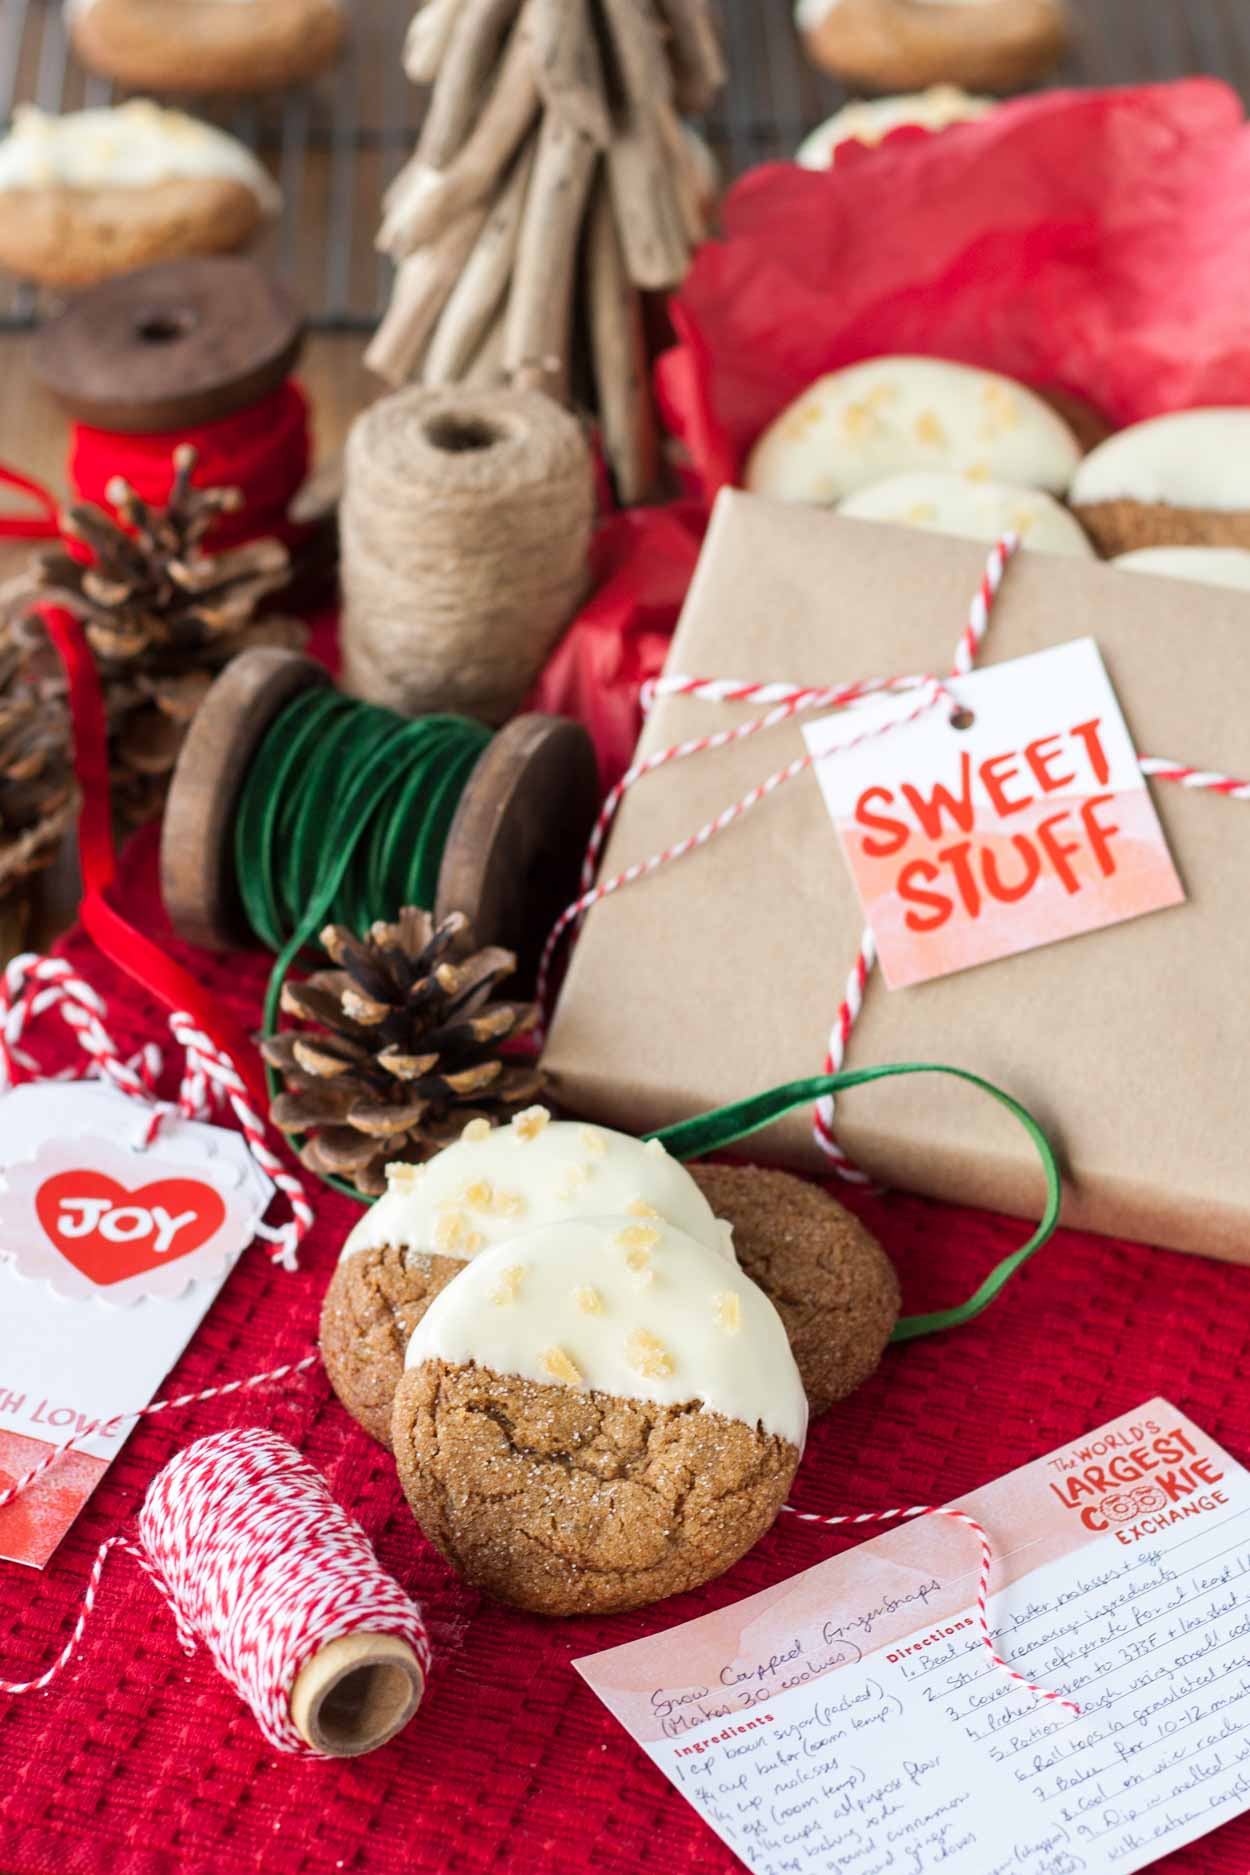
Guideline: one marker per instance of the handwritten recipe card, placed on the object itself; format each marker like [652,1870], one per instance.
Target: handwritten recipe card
[850,1718]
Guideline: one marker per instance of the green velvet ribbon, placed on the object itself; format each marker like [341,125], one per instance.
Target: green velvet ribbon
[725,1126]
[343,818]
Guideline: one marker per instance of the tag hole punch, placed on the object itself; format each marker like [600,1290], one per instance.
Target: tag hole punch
[163,325]
[962,718]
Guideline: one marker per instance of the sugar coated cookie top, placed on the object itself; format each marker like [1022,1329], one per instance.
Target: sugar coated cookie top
[956,504]
[132,147]
[868,120]
[892,414]
[622,1306]
[1191,459]
[495,1185]
[1207,566]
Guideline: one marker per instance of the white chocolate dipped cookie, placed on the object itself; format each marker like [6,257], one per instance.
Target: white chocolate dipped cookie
[1205,566]
[487,1189]
[1177,481]
[957,504]
[598,1415]
[892,415]
[100,192]
[870,120]
[903,45]
[207,45]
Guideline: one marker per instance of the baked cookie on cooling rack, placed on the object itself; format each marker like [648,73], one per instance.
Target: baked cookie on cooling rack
[206,45]
[896,415]
[902,45]
[598,1415]
[1182,480]
[96,193]
[488,1188]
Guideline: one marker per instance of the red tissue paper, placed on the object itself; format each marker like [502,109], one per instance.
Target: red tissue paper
[1093,242]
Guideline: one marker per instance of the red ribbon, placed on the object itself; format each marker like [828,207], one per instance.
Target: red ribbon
[130,950]
[264,451]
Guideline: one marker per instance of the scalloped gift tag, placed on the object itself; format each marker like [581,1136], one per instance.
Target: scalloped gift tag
[111,1253]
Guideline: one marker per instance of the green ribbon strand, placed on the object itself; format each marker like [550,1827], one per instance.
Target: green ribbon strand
[343,818]
[725,1126]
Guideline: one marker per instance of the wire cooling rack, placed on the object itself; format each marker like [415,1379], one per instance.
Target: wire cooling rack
[334,146]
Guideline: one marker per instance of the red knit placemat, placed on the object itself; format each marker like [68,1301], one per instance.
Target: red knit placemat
[140,1762]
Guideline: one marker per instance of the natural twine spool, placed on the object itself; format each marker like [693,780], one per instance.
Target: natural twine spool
[465,521]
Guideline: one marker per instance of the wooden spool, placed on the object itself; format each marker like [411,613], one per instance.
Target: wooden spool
[512,854]
[171,346]
[356,1693]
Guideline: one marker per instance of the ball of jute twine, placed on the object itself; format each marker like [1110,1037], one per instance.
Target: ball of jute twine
[465,520]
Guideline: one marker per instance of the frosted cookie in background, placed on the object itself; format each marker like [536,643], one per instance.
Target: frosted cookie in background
[492,1186]
[869,120]
[206,45]
[596,1416]
[904,45]
[973,510]
[1176,481]
[1206,566]
[96,193]
[895,414]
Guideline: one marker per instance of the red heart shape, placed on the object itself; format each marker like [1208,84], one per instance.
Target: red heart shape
[109,1233]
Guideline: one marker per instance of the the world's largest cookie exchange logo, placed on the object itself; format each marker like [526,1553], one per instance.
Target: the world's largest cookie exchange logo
[1137,1481]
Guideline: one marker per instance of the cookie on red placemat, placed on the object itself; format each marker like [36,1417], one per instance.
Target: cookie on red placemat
[598,1415]
[828,1278]
[488,1187]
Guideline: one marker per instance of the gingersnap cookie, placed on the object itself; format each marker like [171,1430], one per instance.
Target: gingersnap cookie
[896,415]
[596,1416]
[206,45]
[957,504]
[488,1188]
[902,45]
[1206,566]
[97,193]
[826,1275]
[871,120]
[1176,481]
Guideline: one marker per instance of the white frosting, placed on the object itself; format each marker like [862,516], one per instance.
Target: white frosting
[892,414]
[954,504]
[1191,459]
[486,1191]
[1206,566]
[868,120]
[131,147]
[644,1313]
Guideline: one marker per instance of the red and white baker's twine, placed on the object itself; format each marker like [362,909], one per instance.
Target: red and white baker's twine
[31,985]
[258,1562]
[784,702]
[983,1578]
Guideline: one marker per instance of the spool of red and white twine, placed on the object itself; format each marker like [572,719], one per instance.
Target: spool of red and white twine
[783,702]
[260,1566]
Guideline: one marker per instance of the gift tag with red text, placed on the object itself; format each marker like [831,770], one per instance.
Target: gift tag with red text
[110,1255]
[1019,819]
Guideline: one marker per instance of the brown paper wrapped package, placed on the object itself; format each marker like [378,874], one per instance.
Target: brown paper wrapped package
[719,976]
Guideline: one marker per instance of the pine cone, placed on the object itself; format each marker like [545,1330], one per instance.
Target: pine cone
[162,616]
[405,1049]
[38,795]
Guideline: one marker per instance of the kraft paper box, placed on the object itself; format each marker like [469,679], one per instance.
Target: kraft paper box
[719,976]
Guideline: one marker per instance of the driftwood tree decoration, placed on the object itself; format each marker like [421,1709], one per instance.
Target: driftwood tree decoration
[554,182]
